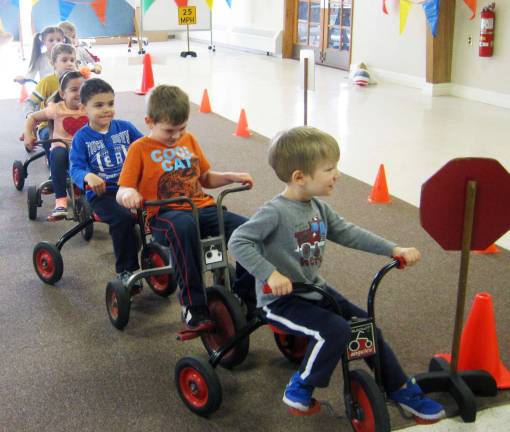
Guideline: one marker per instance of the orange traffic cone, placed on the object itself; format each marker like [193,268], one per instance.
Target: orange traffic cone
[379,193]
[147,76]
[492,249]
[479,342]
[242,126]
[205,106]
[23,96]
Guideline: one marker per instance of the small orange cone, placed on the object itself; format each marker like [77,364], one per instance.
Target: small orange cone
[242,126]
[379,194]
[147,76]
[492,249]
[205,106]
[479,342]
[23,96]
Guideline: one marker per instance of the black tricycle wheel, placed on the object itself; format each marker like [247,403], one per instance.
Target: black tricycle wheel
[48,263]
[118,304]
[18,175]
[153,256]
[84,213]
[33,201]
[198,385]
[291,346]
[227,315]
[369,412]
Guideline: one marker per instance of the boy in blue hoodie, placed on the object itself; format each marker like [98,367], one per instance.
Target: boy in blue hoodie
[97,154]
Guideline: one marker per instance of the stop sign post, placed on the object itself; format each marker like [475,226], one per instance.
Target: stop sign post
[463,207]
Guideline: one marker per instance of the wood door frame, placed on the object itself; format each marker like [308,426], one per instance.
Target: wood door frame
[290,26]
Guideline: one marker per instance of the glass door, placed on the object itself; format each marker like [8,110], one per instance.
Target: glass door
[325,27]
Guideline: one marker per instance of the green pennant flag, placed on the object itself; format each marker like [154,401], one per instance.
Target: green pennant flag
[146,4]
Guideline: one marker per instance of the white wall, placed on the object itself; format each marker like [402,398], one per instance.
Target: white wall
[258,14]
[468,69]
[377,42]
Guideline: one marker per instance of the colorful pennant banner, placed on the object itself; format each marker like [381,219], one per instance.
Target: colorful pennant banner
[229,2]
[431,9]
[384,8]
[405,7]
[65,8]
[471,5]
[146,4]
[181,3]
[209,3]
[99,7]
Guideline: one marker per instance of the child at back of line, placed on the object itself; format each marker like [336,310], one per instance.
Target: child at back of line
[40,59]
[96,158]
[170,163]
[84,58]
[68,116]
[63,59]
[269,247]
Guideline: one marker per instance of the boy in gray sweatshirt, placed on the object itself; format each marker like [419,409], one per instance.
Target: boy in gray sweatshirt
[285,241]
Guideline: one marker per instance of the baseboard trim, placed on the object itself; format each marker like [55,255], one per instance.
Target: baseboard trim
[444,89]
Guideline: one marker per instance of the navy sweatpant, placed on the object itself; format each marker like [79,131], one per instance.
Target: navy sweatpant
[59,166]
[121,227]
[328,335]
[177,230]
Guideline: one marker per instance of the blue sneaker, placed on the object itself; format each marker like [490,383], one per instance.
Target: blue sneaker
[411,398]
[298,394]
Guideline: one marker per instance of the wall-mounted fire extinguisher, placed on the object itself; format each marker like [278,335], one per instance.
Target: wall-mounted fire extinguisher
[487,26]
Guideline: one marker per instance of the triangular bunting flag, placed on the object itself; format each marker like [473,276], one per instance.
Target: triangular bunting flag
[229,2]
[405,6]
[99,7]
[384,8]
[209,3]
[431,8]
[146,4]
[181,3]
[34,2]
[65,9]
[471,5]
[15,3]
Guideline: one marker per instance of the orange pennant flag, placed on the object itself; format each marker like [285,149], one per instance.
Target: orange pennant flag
[471,5]
[99,7]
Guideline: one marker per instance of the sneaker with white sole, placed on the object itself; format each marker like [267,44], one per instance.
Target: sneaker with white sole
[298,394]
[412,399]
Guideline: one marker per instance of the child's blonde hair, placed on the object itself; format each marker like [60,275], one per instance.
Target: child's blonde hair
[168,104]
[301,148]
[67,27]
[61,48]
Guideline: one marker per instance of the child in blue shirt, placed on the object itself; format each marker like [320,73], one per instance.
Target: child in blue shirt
[97,154]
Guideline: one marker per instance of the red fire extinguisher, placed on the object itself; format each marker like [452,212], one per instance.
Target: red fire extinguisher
[487,25]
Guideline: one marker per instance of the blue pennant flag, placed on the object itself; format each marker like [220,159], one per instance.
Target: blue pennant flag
[229,2]
[15,3]
[431,8]
[65,9]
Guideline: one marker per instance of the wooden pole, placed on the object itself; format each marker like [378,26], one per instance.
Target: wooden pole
[305,90]
[469,211]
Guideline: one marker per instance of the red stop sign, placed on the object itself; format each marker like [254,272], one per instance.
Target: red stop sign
[443,199]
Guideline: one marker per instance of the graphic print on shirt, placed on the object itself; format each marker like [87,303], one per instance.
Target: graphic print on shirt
[182,170]
[309,242]
[107,159]
[72,124]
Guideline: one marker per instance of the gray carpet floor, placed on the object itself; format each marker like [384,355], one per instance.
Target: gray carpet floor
[64,367]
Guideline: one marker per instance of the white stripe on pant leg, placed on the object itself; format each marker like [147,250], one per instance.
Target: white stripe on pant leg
[309,332]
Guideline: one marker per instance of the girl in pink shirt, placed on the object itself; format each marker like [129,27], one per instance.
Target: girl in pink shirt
[68,116]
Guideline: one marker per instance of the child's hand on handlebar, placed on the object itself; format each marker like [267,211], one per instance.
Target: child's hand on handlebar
[280,285]
[411,255]
[131,199]
[29,140]
[96,183]
[243,178]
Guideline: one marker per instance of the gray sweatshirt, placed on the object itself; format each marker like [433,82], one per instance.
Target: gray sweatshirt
[290,236]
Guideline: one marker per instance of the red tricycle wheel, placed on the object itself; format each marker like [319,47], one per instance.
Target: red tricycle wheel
[48,263]
[198,385]
[368,413]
